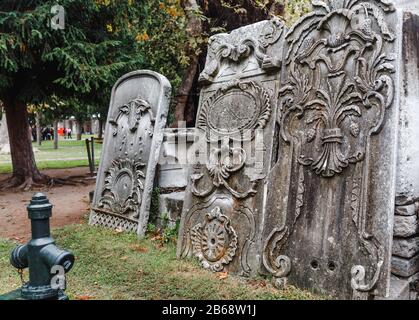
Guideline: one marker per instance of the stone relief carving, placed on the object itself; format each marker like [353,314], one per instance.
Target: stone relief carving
[134,111]
[215,241]
[235,109]
[137,115]
[123,188]
[224,47]
[340,82]
[229,243]
[221,165]
[233,113]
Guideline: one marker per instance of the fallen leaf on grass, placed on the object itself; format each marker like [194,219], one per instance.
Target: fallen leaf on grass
[84,297]
[222,275]
[139,248]
[155,238]
[119,230]
[257,283]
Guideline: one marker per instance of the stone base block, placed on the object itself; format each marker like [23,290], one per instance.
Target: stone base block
[406,226]
[170,209]
[404,267]
[399,290]
[406,248]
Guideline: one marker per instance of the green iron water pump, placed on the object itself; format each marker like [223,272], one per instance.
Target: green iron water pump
[46,262]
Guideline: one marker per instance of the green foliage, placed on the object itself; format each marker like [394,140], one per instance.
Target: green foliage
[295,9]
[102,40]
[154,205]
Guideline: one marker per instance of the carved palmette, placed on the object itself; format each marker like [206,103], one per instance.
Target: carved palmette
[337,89]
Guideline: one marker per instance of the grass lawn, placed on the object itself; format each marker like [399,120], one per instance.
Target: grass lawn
[112,265]
[70,154]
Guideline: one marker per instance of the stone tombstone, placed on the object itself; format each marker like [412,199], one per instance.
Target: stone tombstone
[4,136]
[134,133]
[331,192]
[225,199]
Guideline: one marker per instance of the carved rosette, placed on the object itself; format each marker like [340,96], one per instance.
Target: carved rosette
[123,188]
[214,242]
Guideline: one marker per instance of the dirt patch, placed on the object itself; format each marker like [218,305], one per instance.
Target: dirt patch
[71,204]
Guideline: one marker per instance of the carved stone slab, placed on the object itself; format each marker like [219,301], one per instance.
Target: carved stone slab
[225,199]
[331,191]
[134,133]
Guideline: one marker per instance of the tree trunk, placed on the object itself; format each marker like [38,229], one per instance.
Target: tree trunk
[78,129]
[25,172]
[55,134]
[194,29]
[38,128]
[100,133]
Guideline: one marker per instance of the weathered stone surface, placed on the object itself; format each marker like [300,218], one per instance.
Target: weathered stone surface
[406,226]
[173,164]
[225,199]
[399,290]
[407,5]
[406,248]
[133,137]
[329,206]
[404,267]
[408,210]
[408,150]
[170,209]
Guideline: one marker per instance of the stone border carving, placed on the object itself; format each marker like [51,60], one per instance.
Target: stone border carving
[259,117]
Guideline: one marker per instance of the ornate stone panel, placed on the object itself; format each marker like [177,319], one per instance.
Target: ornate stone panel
[226,195]
[137,116]
[331,192]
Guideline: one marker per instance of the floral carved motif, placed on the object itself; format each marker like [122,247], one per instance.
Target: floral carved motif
[220,48]
[337,81]
[214,242]
[222,163]
[338,90]
[123,188]
[134,111]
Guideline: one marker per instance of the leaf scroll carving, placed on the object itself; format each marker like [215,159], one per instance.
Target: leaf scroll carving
[339,85]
